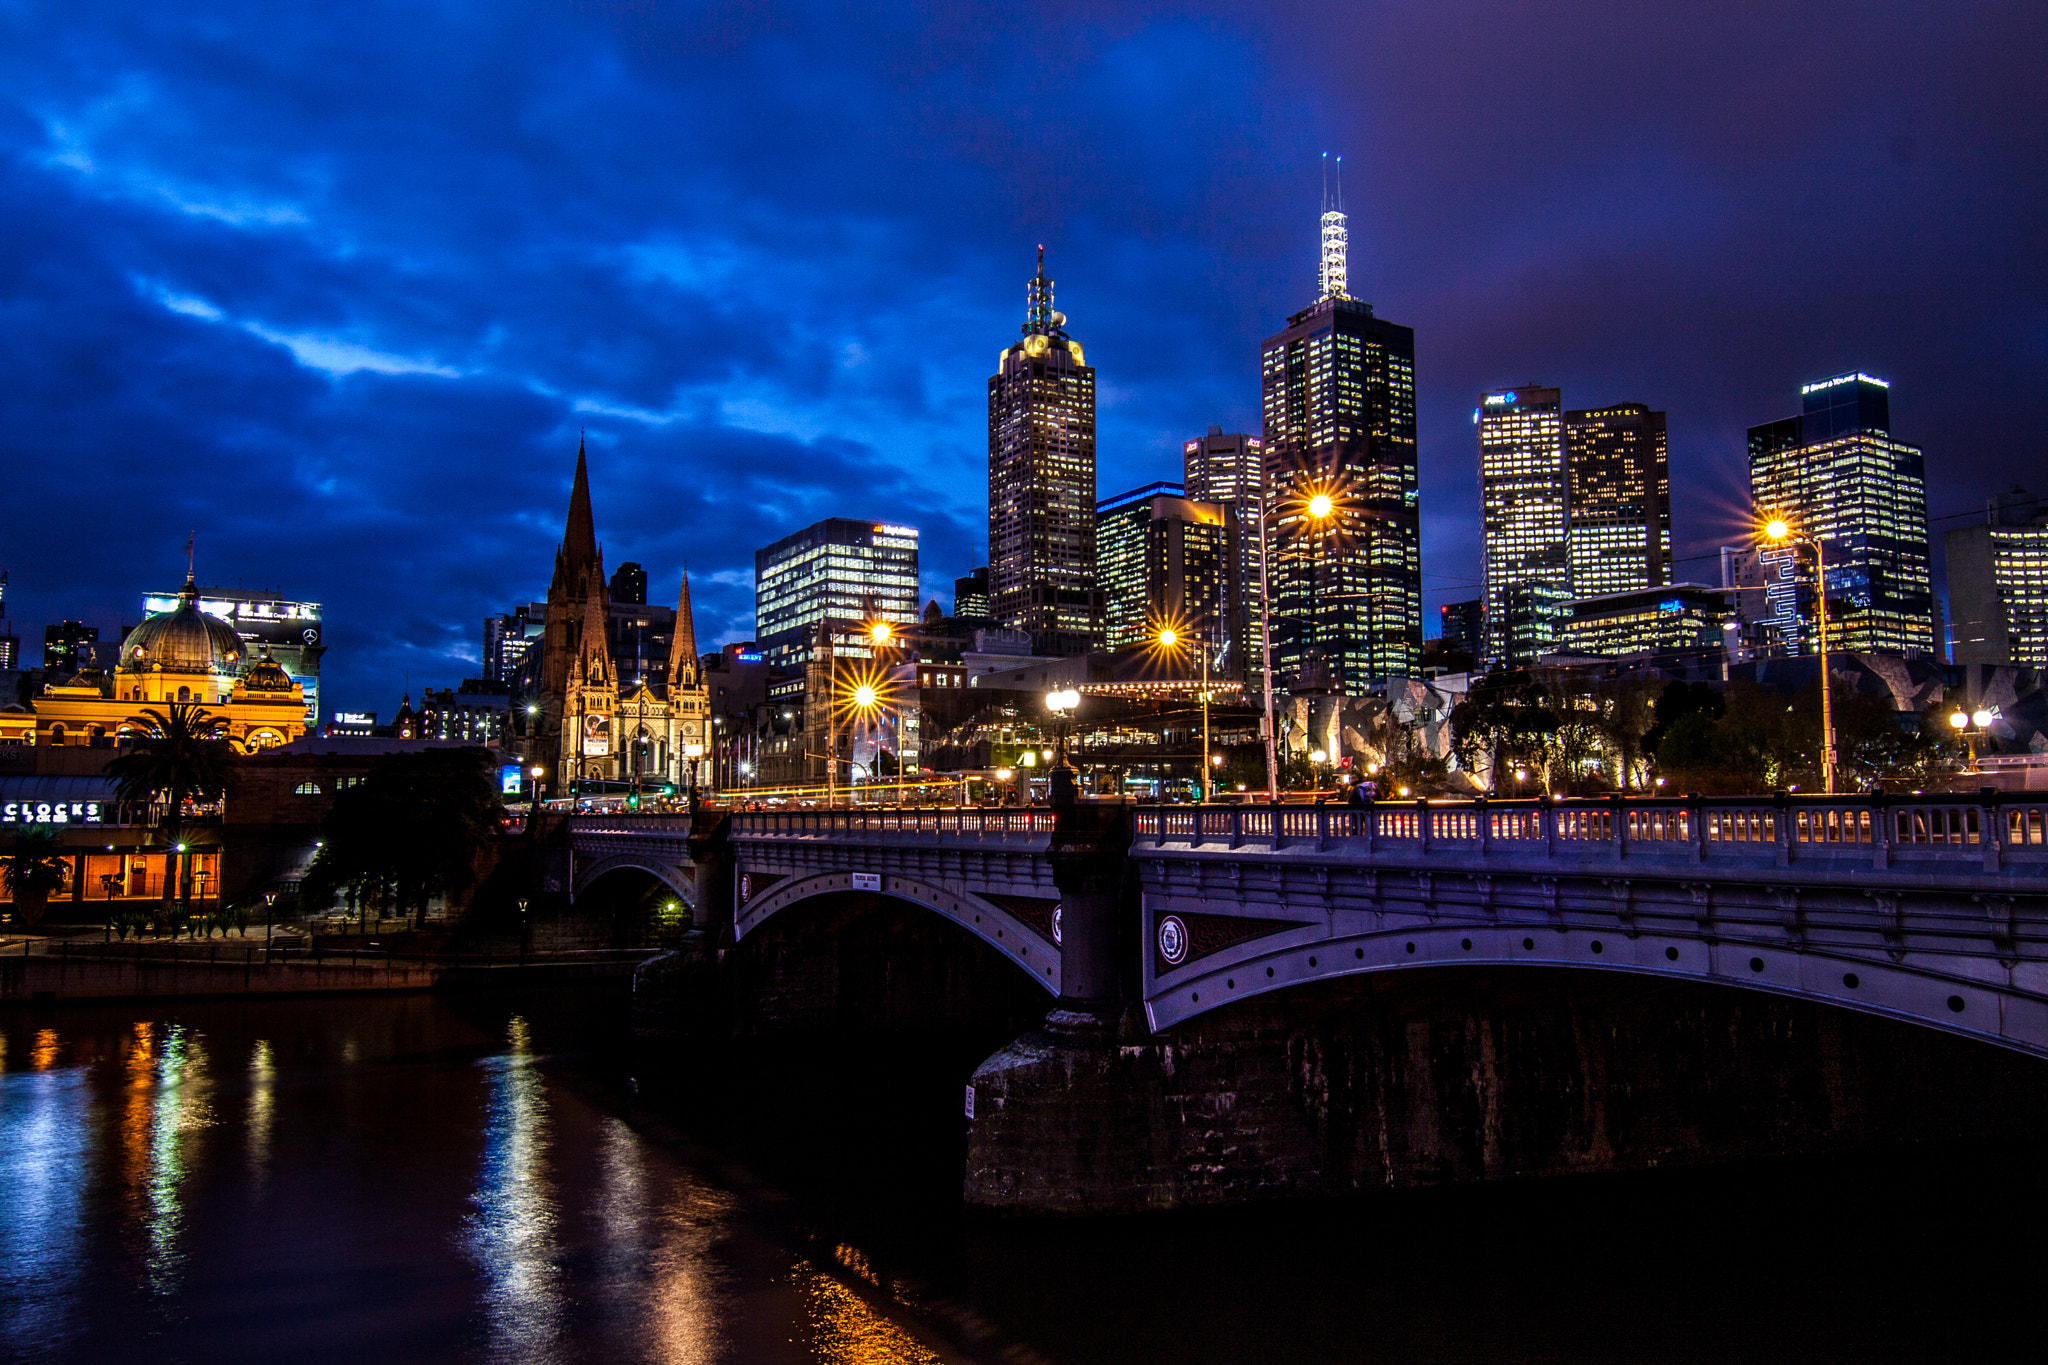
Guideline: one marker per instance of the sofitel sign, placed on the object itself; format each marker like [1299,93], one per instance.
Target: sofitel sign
[51,813]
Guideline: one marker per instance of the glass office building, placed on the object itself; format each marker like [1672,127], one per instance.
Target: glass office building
[836,570]
[1166,560]
[1525,504]
[1337,401]
[1837,474]
[1618,472]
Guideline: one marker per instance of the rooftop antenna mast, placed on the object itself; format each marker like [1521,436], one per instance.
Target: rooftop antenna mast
[190,536]
[1335,269]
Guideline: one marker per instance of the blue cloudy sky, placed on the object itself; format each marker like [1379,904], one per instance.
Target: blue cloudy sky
[338,286]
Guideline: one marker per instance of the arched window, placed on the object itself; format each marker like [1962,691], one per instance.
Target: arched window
[307,789]
[56,734]
[184,694]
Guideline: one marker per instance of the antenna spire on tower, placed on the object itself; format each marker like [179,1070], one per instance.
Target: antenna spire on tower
[1336,267]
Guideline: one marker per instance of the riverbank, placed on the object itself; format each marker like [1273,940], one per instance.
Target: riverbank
[49,972]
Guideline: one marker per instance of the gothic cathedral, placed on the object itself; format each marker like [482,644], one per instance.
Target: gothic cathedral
[578,724]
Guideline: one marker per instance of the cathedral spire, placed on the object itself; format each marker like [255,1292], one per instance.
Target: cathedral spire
[683,665]
[578,556]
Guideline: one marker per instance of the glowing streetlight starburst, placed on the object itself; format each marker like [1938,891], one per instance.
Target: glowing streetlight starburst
[863,691]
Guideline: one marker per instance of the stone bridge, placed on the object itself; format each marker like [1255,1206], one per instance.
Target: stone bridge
[1932,911]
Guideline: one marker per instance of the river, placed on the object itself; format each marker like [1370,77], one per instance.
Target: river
[417,1178]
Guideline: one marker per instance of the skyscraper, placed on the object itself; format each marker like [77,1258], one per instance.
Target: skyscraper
[1618,476]
[1041,478]
[629,585]
[1164,559]
[838,569]
[1998,583]
[1230,468]
[970,595]
[1524,498]
[1836,473]
[1337,399]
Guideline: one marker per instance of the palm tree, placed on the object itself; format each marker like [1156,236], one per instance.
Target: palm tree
[182,756]
[33,866]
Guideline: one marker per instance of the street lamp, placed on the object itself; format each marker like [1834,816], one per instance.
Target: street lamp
[1971,724]
[1777,531]
[693,752]
[1061,702]
[1320,507]
[1169,638]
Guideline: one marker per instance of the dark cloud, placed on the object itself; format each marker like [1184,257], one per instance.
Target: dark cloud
[339,289]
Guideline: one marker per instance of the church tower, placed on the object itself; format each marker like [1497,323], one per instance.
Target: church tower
[689,695]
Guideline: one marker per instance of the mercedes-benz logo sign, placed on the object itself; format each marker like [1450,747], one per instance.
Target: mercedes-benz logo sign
[1173,940]
[1056,923]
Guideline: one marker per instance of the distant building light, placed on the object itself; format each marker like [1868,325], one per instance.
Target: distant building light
[895,530]
[1805,389]
[1495,400]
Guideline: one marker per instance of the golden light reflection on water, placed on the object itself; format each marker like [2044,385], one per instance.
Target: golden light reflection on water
[262,1079]
[844,1330]
[44,1054]
[512,1233]
[167,1104]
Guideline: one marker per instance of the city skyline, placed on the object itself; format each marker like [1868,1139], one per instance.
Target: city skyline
[253,311]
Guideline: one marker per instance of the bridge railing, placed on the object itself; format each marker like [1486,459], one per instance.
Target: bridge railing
[1939,829]
[910,820]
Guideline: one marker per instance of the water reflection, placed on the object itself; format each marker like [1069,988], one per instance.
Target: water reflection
[512,1233]
[657,1234]
[46,1133]
[844,1330]
[262,1077]
[166,1104]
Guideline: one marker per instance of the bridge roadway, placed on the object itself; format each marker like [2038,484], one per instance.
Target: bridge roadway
[1928,909]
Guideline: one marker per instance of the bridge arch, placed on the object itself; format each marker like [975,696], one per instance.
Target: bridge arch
[676,879]
[1032,951]
[1969,998]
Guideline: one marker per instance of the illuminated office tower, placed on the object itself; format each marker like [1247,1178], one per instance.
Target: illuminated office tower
[836,570]
[1041,479]
[1230,468]
[1837,475]
[1618,477]
[1337,399]
[1166,560]
[1998,583]
[1525,500]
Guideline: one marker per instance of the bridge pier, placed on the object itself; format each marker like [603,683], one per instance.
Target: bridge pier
[1465,1075]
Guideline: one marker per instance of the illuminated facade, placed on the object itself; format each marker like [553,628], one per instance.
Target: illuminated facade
[183,654]
[1525,500]
[1618,477]
[1041,478]
[1337,402]
[1230,468]
[1166,559]
[1685,620]
[839,569]
[1837,474]
[1998,583]
[571,713]
[289,630]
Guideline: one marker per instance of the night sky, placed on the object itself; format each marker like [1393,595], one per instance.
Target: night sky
[337,286]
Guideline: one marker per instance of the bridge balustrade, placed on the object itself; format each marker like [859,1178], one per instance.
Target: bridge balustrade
[1941,826]
[889,820]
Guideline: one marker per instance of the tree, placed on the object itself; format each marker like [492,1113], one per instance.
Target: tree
[181,757]
[33,865]
[1506,719]
[412,828]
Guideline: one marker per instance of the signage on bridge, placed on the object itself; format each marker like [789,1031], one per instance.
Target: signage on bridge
[867,881]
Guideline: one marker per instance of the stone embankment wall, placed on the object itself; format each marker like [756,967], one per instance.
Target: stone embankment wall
[1439,1077]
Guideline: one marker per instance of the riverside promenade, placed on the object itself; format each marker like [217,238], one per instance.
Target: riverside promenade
[48,971]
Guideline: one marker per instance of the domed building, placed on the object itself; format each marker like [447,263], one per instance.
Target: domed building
[180,655]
